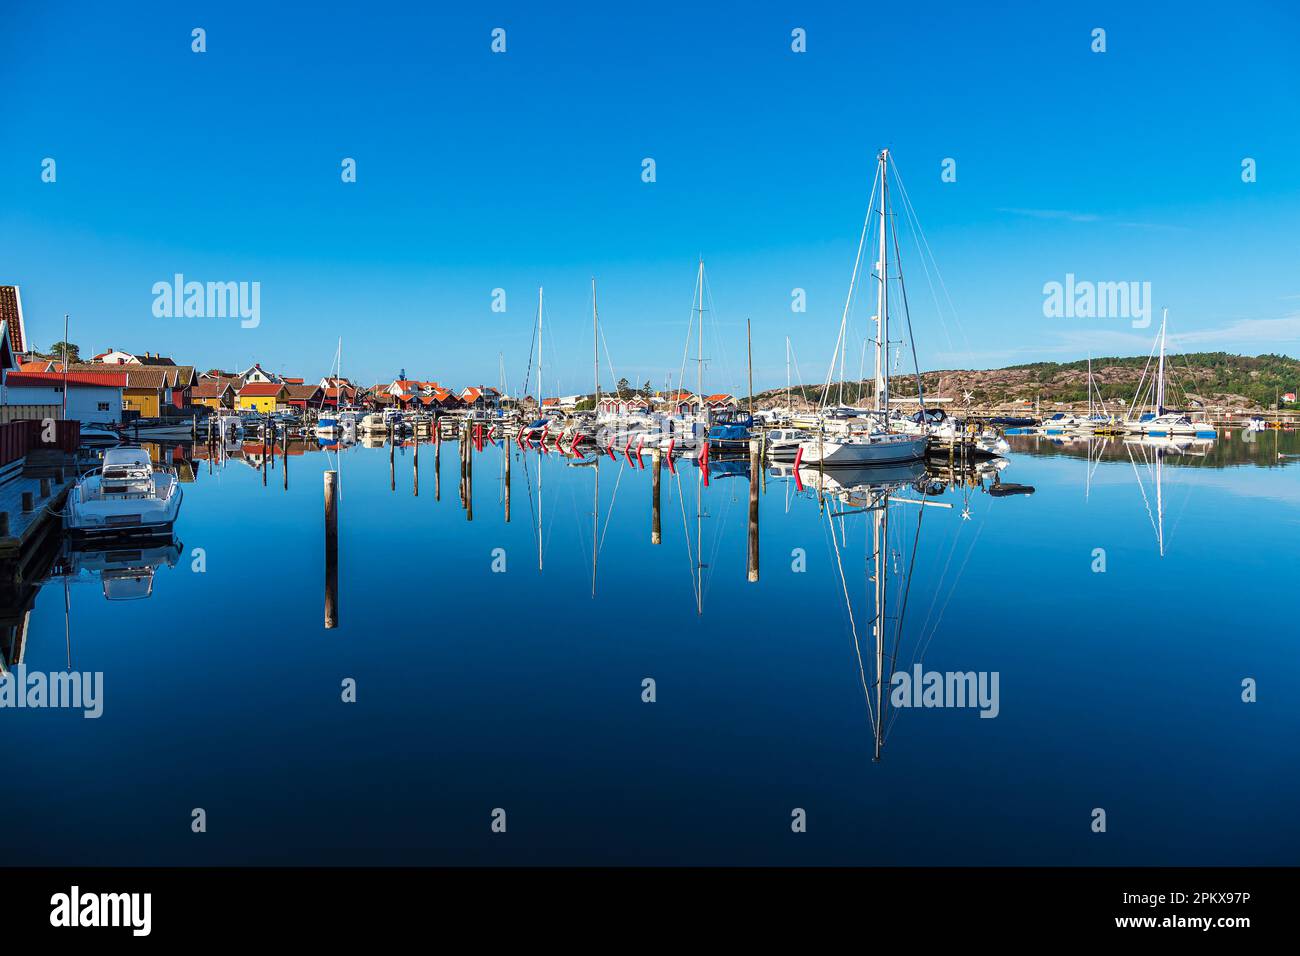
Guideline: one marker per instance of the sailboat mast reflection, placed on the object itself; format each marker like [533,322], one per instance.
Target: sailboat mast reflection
[873,491]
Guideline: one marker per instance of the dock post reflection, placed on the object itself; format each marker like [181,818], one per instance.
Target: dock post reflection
[331,550]
[416,436]
[437,460]
[392,456]
[469,475]
[755,476]
[505,450]
[656,463]
[460,451]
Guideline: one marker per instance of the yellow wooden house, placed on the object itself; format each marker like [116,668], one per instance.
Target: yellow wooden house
[262,397]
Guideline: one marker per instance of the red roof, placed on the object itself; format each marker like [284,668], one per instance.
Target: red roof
[210,389]
[101,379]
[261,390]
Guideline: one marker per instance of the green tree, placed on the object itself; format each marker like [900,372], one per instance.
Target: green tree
[56,350]
[622,386]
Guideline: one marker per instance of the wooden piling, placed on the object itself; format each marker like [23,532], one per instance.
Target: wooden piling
[45,487]
[4,524]
[656,466]
[505,450]
[331,550]
[416,478]
[755,468]
[28,505]
[469,478]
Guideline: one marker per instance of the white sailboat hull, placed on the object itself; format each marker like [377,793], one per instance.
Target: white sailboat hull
[874,450]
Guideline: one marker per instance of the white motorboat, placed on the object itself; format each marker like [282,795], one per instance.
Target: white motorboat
[97,436]
[374,422]
[126,495]
[156,429]
[783,443]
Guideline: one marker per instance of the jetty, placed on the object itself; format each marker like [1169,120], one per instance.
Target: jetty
[37,469]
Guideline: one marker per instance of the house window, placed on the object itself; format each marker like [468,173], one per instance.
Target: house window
[103,406]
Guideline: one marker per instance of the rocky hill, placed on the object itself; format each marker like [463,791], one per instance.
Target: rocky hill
[1210,379]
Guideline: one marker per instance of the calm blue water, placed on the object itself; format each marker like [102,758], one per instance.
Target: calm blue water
[522,690]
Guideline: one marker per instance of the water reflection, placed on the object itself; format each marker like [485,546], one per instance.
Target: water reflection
[125,572]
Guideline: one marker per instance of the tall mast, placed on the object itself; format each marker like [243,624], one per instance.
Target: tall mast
[595,344]
[699,379]
[880,541]
[882,296]
[749,357]
[1160,502]
[788,408]
[704,415]
[1160,380]
[1089,386]
[541,393]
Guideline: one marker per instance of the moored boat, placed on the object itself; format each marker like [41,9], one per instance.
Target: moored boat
[126,495]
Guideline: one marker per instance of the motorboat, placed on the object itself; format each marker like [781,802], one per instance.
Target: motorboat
[98,436]
[126,495]
[229,428]
[730,429]
[159,428]
[374,422]
[783,443]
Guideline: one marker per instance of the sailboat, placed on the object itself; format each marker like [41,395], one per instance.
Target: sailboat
[846,441]
[1162,422]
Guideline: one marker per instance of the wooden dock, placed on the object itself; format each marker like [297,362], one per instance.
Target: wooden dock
[28,529]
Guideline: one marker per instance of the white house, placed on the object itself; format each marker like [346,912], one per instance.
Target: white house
[255,374]
[92,396]
[116,357]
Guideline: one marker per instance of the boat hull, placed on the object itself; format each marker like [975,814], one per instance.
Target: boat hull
[880,450]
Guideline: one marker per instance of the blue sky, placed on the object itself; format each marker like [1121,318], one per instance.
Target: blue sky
[477,171]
